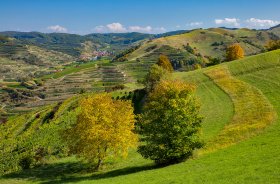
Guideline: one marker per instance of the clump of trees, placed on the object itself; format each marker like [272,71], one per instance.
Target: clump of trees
[234,52]
[273,45]
[213,61]
[170,123]
[189,48]
[104,129]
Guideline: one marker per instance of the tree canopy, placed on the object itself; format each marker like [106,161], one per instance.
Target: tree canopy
[104,129]
[155,74]
[273,45]
[170,123]
[234,52]
[165,63]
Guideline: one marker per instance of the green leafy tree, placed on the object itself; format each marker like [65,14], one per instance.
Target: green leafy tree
[170,123]
[165,63]
[153,77]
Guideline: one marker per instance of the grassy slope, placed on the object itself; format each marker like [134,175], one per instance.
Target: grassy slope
[202,40]
[256,160]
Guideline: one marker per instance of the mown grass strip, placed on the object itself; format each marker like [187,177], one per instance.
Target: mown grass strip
[252,111]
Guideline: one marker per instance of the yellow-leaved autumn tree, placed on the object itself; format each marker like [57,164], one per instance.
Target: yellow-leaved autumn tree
[165,63]
[234,52]
[104,129]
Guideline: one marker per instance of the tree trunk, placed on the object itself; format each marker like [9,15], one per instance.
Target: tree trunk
[98,164]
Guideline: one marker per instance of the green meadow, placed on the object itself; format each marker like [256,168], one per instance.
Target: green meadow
[241,129]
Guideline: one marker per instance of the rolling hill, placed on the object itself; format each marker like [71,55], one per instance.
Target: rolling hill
[240,103]
[190,48]
[71,44]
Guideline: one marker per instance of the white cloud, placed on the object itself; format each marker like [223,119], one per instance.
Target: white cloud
[146,29]
[261,23]
[99,29]
[58,29]
[228,22]
[195,24]
[119,28]
[116,27]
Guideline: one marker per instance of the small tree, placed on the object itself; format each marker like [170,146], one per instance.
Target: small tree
[273,45]
[234,52]
[153,77]
[104,128]
[170,123]
[165,63]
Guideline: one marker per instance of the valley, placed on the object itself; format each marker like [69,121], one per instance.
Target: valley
[119,103]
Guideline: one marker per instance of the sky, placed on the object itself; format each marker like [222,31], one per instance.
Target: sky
[146,16]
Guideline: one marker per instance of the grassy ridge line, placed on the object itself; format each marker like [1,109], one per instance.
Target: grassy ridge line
[255,63]
[253,112]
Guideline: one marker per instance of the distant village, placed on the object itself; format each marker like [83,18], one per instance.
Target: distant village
[97,54]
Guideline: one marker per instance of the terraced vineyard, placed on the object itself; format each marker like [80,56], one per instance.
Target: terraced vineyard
[96,78]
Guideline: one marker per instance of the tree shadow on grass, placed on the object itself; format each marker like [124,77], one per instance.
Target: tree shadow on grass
[72,172]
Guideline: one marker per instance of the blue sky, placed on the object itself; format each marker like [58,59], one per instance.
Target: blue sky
[150,16]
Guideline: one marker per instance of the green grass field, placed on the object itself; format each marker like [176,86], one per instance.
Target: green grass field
[253,159]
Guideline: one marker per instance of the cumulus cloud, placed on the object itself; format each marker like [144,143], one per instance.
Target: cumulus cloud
[58,29]
[119,28]
[116,27]
[228,22]
[99,29]
[261,23]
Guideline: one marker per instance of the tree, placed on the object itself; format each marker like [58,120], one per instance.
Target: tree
[234,52]
[153,77]
[165,63]
[104,129]
[273,45]
[170,123]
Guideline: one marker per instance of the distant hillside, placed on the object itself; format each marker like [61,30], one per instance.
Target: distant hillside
[21,61]
[188,49]
[72,43]
[275,30]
